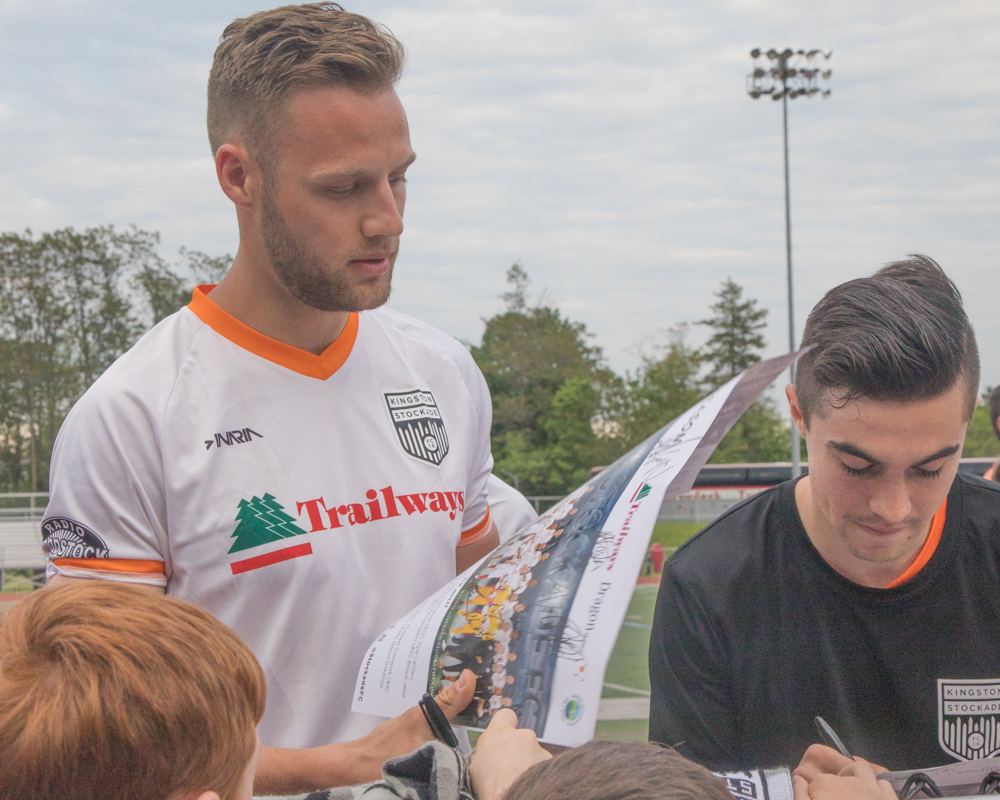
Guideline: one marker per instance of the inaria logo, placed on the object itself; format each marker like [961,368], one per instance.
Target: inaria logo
[241,436]
[66,538]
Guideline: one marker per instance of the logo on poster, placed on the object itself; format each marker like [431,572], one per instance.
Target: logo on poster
[969,718]
[572,710]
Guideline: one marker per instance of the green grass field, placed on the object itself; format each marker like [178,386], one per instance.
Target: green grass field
[674,534]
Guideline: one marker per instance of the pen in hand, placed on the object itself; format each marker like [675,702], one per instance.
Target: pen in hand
[437,721]
[829,737]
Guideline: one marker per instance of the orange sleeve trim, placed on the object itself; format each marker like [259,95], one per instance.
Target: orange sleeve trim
[933,540]
[478,531]
[305,363]
[132,565]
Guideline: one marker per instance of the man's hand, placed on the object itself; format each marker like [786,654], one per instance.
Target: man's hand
[408,731]
[856,781]
[822,760]
[502,753]
[283,772]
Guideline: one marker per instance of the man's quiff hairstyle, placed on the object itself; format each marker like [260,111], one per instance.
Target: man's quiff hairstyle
[900,335]
[263,58]
[110,691]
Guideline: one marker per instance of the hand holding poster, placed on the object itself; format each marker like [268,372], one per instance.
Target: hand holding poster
[536,619]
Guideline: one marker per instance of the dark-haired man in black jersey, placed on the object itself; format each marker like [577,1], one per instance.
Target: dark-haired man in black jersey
[867,592]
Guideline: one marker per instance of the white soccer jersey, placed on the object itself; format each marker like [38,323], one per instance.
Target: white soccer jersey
[306,501]
[509,509]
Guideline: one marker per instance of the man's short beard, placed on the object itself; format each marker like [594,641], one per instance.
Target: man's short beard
[303,272]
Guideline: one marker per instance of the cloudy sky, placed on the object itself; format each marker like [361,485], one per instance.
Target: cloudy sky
[610,147]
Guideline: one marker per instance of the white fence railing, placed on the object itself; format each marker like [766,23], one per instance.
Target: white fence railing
[23,506]
[22,561]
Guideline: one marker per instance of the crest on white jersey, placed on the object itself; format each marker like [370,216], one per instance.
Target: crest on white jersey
[419,426]
[969,718]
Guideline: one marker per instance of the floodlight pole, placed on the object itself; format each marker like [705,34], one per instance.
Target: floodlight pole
[805,79]
[796,448]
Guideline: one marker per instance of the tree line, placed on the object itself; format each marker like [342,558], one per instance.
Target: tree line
[558,410]
[72,302]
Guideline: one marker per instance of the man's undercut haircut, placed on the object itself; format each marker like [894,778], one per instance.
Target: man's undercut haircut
[618,771]
[900,335]
[110,691]
[263,58]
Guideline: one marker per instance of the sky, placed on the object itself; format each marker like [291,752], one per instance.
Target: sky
[609,148]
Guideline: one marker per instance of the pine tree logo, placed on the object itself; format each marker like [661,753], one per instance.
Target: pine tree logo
[262,520]
[644,490]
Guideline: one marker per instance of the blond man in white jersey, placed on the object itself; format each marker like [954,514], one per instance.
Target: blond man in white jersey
[283,452]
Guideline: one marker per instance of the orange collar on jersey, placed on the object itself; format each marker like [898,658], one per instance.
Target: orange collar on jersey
[933,540]
[293,358]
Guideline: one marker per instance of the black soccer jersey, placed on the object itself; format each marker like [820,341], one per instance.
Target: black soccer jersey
[755,634]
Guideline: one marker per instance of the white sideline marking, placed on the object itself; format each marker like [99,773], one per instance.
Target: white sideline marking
[621,688]
[624,708]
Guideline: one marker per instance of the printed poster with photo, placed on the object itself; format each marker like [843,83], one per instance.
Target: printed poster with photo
[536,620]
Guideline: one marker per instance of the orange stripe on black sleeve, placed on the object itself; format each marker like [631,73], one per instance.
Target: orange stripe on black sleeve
[477,531]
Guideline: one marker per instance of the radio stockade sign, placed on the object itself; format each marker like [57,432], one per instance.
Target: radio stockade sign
[66,538]
[419,426]
[536,619]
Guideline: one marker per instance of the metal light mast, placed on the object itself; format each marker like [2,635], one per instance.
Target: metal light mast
[784,76]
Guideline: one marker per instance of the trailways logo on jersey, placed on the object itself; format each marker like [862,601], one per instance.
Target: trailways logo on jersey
[969,718]
[262,520]
[419,426]
[383,504]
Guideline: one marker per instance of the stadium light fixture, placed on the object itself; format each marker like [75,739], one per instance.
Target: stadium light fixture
[784,76]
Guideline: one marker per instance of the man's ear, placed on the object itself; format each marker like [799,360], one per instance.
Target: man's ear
[793,406]
[239,175]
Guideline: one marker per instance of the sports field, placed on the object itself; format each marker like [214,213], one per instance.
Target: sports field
[628,676]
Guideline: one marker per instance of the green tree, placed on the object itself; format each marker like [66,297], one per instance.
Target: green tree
[666,385]
[166,292]
[980,440]
[71,302]
[262,520]
[736,342]
[206,268]
[65,315]
[760,435]
[528,354]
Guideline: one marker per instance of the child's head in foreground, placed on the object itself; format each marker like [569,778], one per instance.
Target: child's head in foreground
[109,691]
[97,679]
[618,771]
